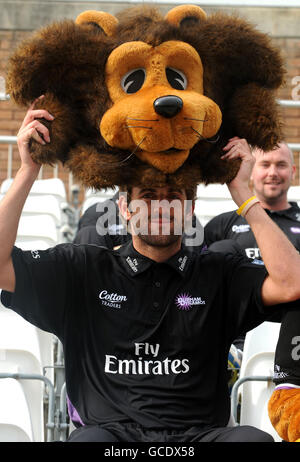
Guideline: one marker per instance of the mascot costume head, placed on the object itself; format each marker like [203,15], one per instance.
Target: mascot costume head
[144,99]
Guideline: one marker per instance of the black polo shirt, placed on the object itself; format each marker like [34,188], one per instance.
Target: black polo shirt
[144,342]
[230,225]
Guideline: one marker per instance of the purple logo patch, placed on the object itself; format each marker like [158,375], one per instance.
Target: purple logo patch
[295,230]
[185,302]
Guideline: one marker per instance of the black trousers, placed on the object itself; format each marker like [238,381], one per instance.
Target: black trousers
[119,433]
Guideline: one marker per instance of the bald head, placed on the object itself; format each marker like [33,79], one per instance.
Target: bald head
[282,147]
[272,175]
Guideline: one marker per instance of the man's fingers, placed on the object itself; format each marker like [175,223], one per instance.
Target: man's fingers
[235,142]
[24,138]
[35,130]
[35,135]
[39,126]
[35,101]
[235,151]
[41,129]
[36,114]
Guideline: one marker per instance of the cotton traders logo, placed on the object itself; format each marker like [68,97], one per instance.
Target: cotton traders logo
[185,302]
[112,300]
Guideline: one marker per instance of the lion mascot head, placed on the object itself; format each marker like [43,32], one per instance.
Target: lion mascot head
[144,99]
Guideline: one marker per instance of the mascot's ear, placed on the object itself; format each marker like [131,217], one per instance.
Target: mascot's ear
[107,22]
[185,13]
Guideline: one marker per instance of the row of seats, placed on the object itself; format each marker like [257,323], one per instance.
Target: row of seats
[214,199]
[26,350]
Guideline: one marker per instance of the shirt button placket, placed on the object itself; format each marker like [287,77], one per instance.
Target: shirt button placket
[157,295]
[155,305]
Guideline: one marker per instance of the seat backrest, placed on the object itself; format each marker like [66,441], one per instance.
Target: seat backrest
[21,351]
[212,200]
[40,227]
[92,200]
[15,418]
[294,194]
[258,360]
[213,191]
[255,395]
[52,186]
[44,205]
[25,243]
[205,210]
[259,340]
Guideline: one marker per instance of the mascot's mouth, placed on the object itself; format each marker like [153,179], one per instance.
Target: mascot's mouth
[166,161]
[171,151]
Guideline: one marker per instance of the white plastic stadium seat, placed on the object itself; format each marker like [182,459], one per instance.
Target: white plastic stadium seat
[29,338]
[22,351]
[259,340]
[258,360]
[255,395]
[93,197]
[34,244]
[41,205]
[53,186]
[294,194]
[211,201]
[5,185]
[40,227]
[15,421]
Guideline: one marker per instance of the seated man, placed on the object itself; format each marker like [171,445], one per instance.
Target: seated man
[272,175]
[135,323]
[101,225]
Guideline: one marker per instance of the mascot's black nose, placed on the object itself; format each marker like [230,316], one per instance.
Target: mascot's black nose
[168,106]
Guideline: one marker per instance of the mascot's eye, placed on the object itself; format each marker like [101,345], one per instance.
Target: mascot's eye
[176,78]
[133,80]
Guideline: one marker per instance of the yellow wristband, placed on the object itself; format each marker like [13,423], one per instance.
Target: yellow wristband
[240,210]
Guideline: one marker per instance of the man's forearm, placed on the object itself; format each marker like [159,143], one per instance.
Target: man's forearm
[280,257]
[11,208]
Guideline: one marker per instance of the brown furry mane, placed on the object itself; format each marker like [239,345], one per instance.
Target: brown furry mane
[66,62]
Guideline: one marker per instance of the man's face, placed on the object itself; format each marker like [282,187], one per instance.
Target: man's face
[273,174]
[157,215]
